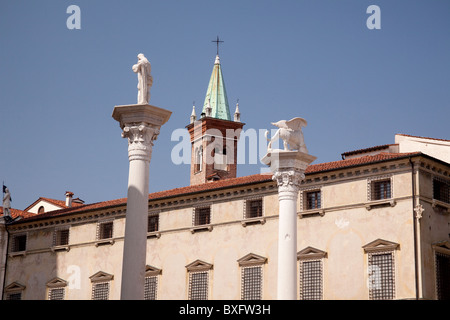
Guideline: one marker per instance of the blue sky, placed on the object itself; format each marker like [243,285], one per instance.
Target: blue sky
[315,59]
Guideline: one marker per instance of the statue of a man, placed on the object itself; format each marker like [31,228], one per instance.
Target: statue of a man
[145,80]
[6,202]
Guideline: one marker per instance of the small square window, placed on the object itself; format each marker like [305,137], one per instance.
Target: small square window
[381,189]
[254,208]
[61,237]
[313,200]
[19,243]
[105,230]
[441,190]
[202,216]
[153,223]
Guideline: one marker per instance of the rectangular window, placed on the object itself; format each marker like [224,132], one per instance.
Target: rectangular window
[153,223]
[441,190]
[14,296]
[311,280]
[61,237]
[198,285]
[202,216]
[150,286]
[19,243]
[313,200]
[105,230]
[381,276]
[56,294]
[443,276]
[251,283]
[381,189]
[100,291]
[254,208]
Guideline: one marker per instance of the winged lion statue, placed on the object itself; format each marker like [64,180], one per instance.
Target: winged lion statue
[291,133]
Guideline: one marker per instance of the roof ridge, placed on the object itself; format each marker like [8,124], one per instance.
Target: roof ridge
[420,137]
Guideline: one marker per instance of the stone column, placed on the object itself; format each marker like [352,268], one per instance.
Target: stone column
[140,125]
[3,253]
[288,168]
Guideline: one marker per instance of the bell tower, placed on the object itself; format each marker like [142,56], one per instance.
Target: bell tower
[214,136]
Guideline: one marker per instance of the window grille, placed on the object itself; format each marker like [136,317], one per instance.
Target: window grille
[443,276]
[441,190]
[381,276]
[105,230]
[61,237]
[381,189]
[56,294]
[254,208]
[251,283]
[150,285]
[14,296]
[198,285]
[313,200]
[19,243]
[153,223]
[202,216]
[311,280]
[100,291]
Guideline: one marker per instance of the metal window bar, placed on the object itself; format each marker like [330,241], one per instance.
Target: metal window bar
[19,243]
[442,276]
[150,285]
[100,291]
[153,223]
[56,294]
[254,208]
[311,280]
[313,200]
[381,276]
[61,237]
[441,190]
[381,189]
[251,288]
[106,230]
[202,216]
[14,296]
[198,285]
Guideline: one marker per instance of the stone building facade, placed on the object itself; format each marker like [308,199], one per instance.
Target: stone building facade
[374,225]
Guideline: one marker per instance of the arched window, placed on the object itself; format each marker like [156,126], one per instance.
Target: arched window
[198,158]
[41,209]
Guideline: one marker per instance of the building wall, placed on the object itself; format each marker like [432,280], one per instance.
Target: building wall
[346,222]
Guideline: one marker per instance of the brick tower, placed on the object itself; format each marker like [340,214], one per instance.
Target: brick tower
[214,136]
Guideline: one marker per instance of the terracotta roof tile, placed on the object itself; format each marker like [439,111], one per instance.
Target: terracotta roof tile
[221,184]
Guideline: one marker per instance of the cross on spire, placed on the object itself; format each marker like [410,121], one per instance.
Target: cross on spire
[217,42]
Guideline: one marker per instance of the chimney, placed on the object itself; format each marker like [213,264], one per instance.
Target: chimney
[69,196]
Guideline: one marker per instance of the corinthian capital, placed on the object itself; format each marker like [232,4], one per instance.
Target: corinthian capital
[140,140]
[288,182]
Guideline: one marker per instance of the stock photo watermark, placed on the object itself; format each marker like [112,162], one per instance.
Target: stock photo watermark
[74,20]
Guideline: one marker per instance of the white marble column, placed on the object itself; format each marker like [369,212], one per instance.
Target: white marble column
[140,125]
[288,169]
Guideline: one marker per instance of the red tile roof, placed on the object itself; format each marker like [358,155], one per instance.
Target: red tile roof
[228,183]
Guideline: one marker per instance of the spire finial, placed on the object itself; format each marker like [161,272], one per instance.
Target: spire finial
[217,41]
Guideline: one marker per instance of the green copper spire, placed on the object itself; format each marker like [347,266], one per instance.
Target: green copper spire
[216,95]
